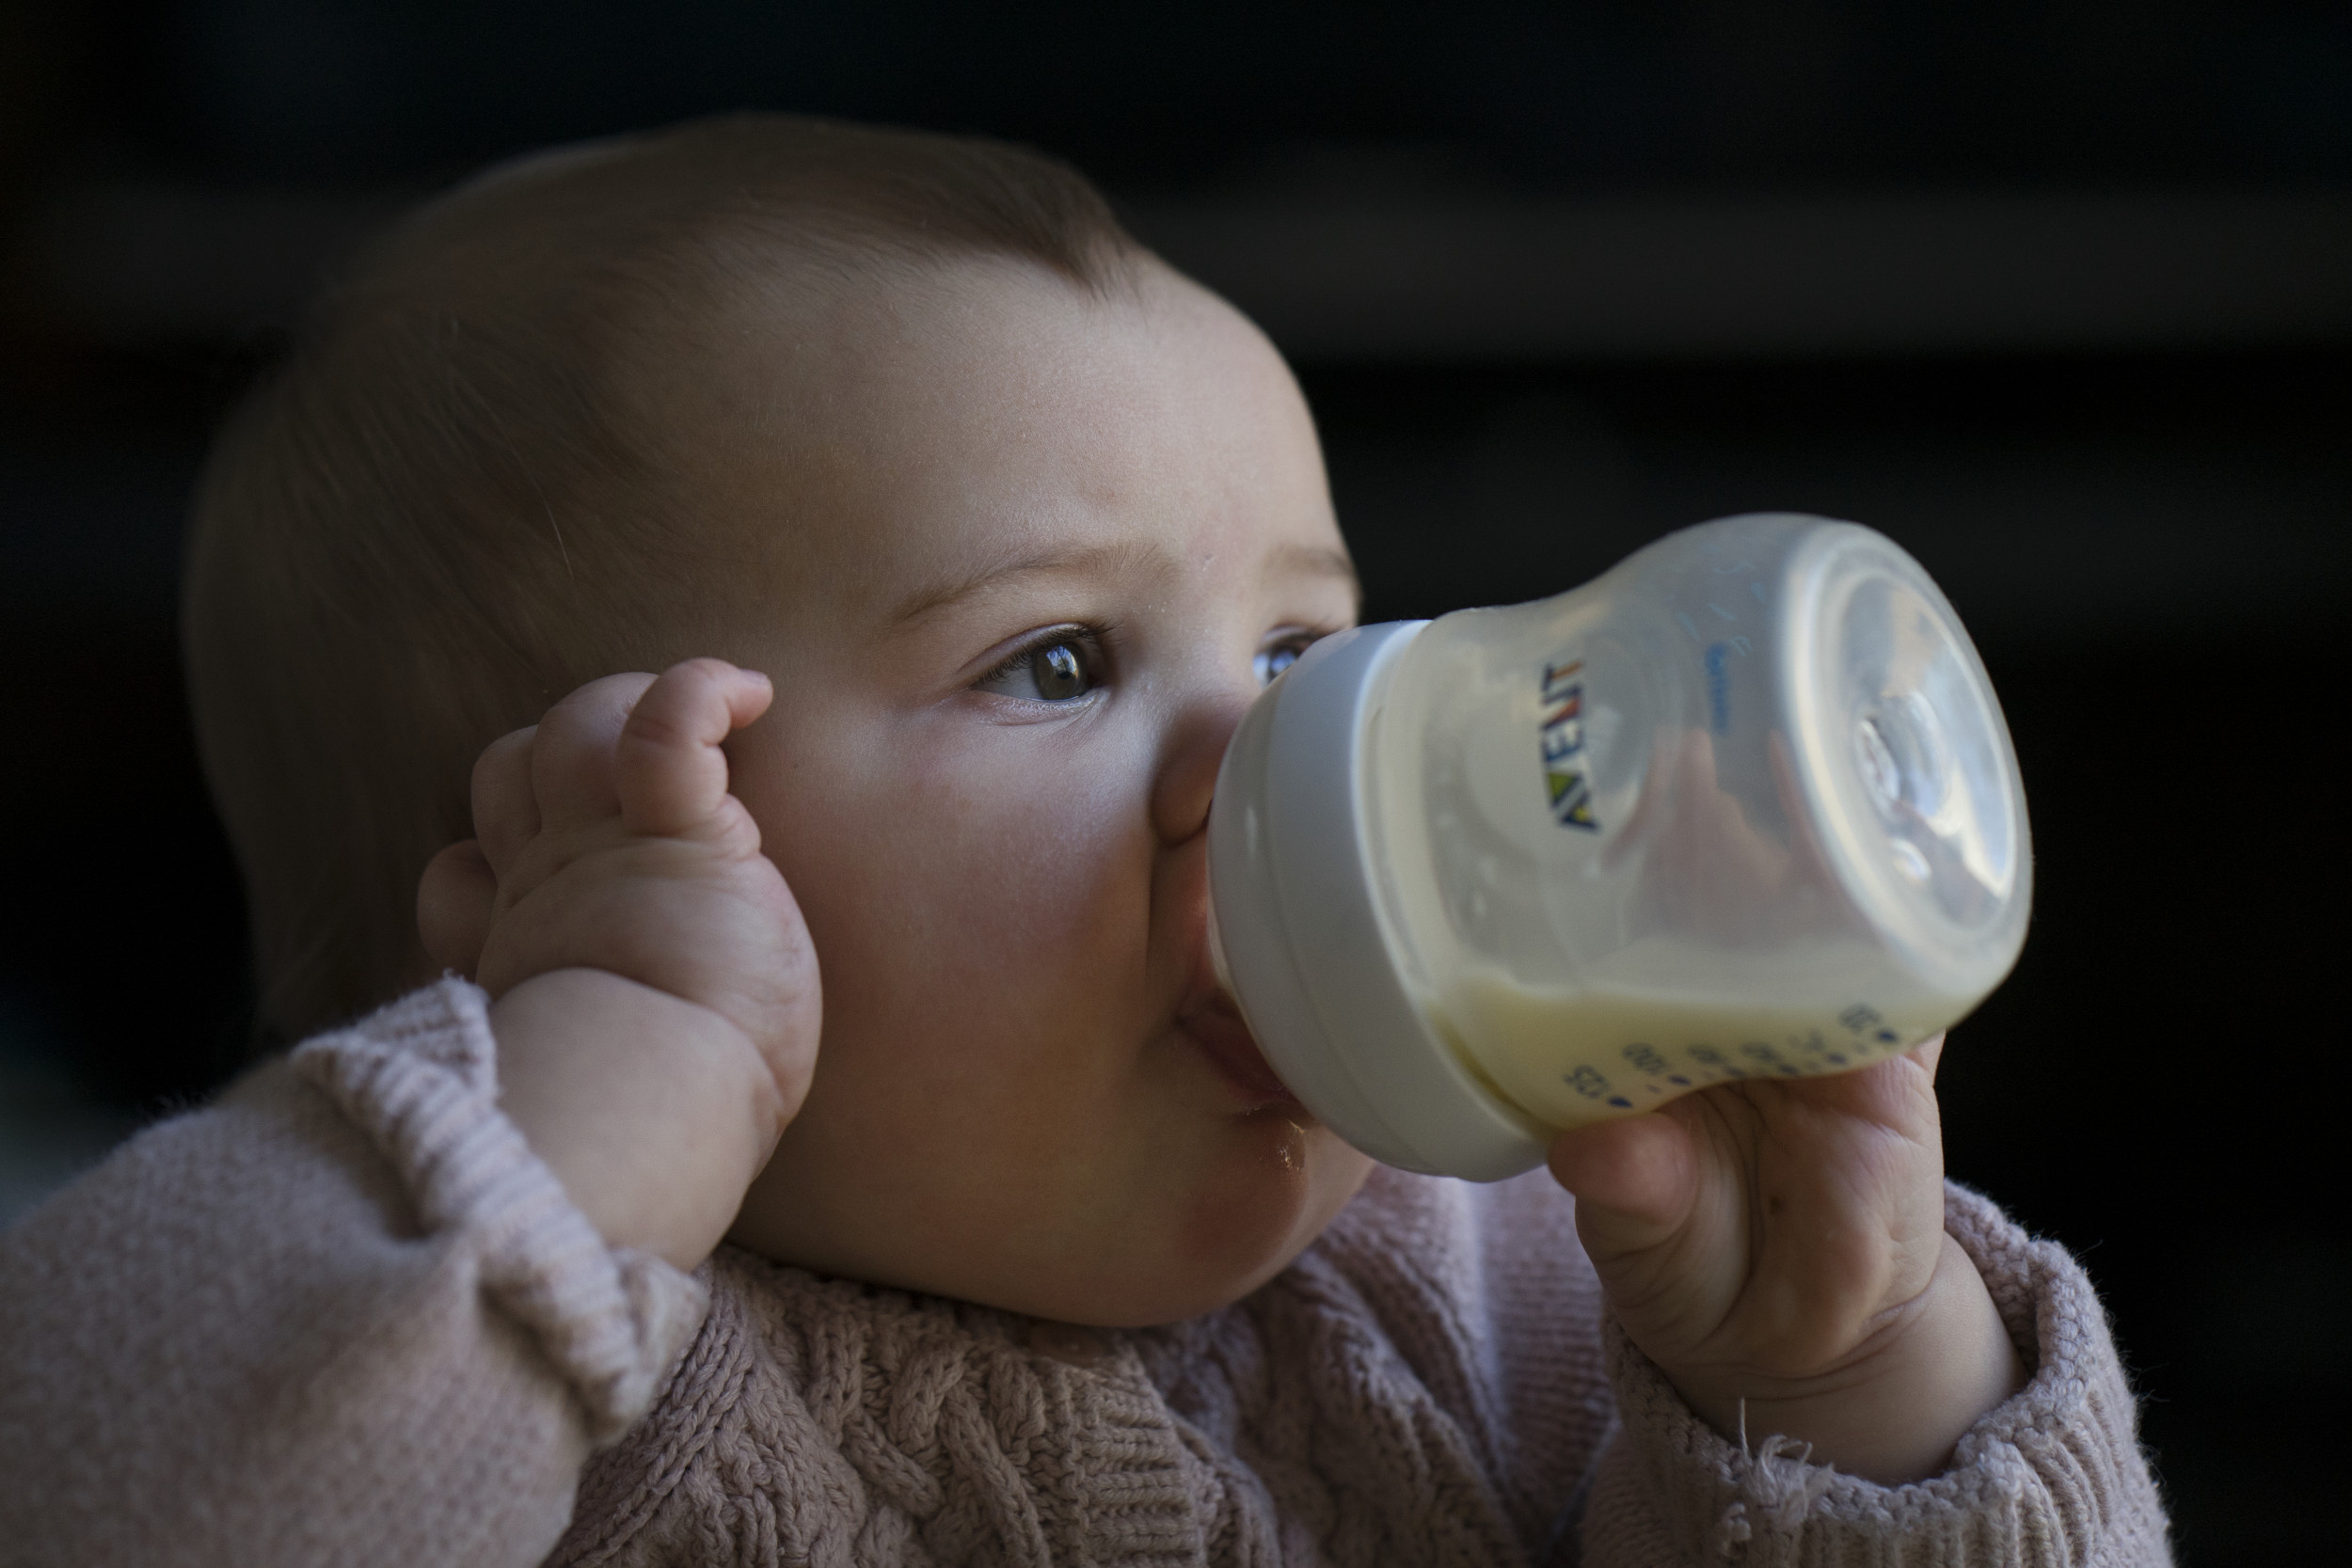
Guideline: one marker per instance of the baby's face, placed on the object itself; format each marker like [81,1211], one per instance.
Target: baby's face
[1025,557]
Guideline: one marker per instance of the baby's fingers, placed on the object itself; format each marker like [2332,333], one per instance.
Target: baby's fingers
[505,813]
[1635,1180]
[572,767]
[457,899]
[671,772]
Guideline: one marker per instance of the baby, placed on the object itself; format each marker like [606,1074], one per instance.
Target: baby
[810,1128]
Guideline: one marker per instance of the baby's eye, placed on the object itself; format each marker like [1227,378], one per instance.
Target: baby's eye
[1061,667]
[1280,654]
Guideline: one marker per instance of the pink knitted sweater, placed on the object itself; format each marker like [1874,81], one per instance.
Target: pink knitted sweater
[346,1316]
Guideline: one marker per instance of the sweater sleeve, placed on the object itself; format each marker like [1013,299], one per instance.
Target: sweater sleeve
[2052,1475]
[343,1314]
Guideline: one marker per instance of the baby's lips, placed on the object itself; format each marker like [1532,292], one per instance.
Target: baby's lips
[1213,1021]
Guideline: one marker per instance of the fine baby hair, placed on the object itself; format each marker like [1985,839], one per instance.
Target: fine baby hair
[458,499]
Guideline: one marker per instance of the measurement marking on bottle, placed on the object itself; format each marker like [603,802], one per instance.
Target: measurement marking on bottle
[1865,1021]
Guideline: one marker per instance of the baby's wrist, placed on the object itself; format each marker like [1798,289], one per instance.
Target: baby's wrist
[1893,1411]
[654,1112]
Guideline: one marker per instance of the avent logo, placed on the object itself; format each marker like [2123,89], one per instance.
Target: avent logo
[1562,737]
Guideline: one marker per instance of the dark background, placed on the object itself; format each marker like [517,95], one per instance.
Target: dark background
[2058,295]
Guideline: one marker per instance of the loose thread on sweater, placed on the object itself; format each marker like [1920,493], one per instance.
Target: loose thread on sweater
[1777,1490]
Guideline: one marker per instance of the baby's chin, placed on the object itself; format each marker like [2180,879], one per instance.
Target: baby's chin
[1240,1228]
[1181,1215]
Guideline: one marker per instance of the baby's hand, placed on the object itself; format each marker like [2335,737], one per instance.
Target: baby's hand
[1782,1243]
[654,995]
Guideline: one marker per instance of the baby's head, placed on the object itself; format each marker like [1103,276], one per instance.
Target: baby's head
[1018,519]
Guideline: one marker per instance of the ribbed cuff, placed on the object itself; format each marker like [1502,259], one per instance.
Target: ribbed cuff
[2050,1476]
[419,1078]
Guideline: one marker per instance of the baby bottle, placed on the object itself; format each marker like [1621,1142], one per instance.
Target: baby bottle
[1743,807]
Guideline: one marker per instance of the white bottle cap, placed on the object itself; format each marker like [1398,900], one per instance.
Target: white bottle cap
[1298,937]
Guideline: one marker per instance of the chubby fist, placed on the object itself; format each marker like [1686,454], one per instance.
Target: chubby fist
[654,995]
[1777,1247]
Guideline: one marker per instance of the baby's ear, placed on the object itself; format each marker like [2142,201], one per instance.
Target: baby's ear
[456,898]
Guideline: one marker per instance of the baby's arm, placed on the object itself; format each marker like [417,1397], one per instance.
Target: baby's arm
[347,1314]
[655,996]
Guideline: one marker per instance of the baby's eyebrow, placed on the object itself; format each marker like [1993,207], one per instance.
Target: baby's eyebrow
[1094,559]
[1317,560]
[1290,560]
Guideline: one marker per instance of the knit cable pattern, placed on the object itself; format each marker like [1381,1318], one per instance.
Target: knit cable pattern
[818,1420]
[1357,1409]
[420,1079]
[1423,1386]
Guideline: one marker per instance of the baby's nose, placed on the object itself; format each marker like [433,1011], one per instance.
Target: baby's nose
[1187,774]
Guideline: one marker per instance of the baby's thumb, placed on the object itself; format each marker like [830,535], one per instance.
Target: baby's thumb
[455,899]
[1635,1180]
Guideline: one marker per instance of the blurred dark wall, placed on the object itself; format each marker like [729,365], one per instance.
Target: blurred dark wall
[2060,296]
[1521,92]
